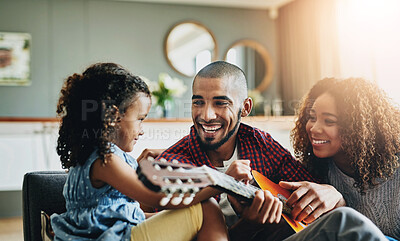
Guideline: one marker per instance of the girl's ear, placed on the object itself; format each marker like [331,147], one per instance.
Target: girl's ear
[112,115]
[247,106]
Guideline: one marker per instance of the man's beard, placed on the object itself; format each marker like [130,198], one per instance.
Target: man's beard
[211,147]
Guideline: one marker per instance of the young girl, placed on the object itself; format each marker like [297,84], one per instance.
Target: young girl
[101,113]
[348,133]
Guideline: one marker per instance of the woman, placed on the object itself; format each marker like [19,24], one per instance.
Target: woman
[347,133]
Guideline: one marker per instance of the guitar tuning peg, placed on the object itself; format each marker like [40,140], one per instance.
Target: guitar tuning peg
[179,181]
[188,200]
[163,160]
[167,181]
[165,200]
[195,190]
[157,167]
[150,158]
[169,168]
[171,189]
[189,180]
[175,161]
[177,200]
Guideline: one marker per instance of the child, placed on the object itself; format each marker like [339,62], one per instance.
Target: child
[347,132]
[101,113]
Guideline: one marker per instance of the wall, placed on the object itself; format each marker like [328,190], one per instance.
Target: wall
[67,36]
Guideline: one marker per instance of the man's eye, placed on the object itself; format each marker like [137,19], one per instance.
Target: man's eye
[221,103]
[197,102]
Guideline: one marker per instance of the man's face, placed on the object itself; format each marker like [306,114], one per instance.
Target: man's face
[216,111]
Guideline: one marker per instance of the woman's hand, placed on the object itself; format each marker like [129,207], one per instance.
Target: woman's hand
[311,200]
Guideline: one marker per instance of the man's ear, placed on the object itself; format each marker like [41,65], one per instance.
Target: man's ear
[247,106]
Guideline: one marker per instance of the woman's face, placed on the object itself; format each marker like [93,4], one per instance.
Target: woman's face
[322,127]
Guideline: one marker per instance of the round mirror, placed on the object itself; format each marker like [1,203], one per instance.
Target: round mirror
[189,46]
[255,62]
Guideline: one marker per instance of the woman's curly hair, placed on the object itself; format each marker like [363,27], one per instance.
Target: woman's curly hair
[369,128]
[90,105]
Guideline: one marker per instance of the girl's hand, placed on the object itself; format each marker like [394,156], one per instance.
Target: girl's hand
[146,153]
[311,200]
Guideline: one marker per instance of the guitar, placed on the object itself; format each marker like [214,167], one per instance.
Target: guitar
[180,183]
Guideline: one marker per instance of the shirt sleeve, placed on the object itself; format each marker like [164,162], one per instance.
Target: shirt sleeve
[281,164]
[293,170]
[178,151]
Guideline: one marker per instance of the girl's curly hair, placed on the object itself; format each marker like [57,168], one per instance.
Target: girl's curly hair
[369,127]
[90,105]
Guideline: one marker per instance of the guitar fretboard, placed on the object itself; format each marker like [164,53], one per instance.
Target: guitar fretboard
[231,185]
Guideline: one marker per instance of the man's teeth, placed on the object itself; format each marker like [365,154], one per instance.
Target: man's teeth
[210,129]
[319,142]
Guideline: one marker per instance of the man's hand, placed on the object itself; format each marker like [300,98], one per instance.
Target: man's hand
[240,170]
[150,153]
[311,200]
[265,208]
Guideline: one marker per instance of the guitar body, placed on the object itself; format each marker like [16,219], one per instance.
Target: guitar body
[283,194]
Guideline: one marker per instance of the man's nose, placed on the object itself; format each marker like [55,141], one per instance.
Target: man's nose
[209,113]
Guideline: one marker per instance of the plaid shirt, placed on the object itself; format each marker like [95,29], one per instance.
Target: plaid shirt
[266,155]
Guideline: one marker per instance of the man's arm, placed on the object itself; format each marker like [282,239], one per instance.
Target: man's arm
[264,211]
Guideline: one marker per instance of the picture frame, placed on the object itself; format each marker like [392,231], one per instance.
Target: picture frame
[15,58]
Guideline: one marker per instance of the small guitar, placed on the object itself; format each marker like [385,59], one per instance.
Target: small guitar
[180,183]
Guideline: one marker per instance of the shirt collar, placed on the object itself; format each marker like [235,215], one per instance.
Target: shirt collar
[200,157]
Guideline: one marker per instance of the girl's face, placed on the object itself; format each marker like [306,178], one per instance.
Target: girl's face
[322,127]
[131,122]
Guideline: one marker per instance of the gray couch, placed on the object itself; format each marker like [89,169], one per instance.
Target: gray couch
[41,191]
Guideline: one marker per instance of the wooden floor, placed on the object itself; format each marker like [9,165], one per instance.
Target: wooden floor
[11,229]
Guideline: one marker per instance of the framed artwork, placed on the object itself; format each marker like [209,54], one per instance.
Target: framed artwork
[15,58]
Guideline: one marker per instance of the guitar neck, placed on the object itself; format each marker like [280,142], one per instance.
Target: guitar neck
[179,180]
[230,185]
[178,177]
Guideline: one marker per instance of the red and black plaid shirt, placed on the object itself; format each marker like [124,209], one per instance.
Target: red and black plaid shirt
[266,155]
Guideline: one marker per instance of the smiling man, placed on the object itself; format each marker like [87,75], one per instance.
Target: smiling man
[218,139]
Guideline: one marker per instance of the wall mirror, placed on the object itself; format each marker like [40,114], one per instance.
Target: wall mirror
[189,46]
[254,60]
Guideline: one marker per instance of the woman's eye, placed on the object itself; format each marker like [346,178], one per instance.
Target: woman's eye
[312,118]
[330,122]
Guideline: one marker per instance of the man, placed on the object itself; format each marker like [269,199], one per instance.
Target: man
[218,139]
